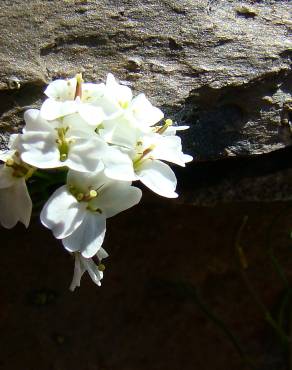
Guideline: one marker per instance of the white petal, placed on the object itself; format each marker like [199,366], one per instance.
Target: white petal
[89,236]
[34,122]
[92,269]
[101,254]
[52,109]
[13,143]
[24,202]
[6,177]
[92,92]
[91,114]
[171,130]
[39,149]
[117,197]
[84,155]
[78,127]
[6,154]
[15,205]
[169,149]
[120,131]
[78,272]
[61,89]
[85,181]
[85,264]
[118,165]
[62,213]
[122,94]
[144,112]
[158,177]
[187,158]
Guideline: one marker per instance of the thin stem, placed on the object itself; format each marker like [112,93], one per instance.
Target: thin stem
[220,324]
[267,315]
[270,252]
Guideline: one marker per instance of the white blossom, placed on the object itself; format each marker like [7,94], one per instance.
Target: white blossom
[87,264]
[73,96]
[102,138]
[60,143]
[77,212]
[118,103]
[146,153]
[15,202]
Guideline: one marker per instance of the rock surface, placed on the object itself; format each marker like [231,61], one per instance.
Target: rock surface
[223,67]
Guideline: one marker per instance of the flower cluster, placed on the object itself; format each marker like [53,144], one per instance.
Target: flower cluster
[101,139]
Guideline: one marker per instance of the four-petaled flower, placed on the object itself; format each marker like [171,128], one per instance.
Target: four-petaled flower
[101,139]
[77,211]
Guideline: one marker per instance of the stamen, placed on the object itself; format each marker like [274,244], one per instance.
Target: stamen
[63,157]
[79,196]
[148,150]
[124,104]
[10,162]
[78,91]
[19,168]
[29,173]
[139,160]
[101,267]
[63,143]
[168,122]
[93,194]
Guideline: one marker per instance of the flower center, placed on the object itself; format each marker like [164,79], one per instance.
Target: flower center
[141,156]
[63,143]
[86,197]
[123,104]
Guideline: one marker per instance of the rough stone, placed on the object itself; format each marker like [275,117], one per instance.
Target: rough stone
[223,67]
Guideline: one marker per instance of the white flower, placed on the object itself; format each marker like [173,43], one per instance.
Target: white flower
[15,202]
[87,264]
[149,169]
[77,212]
[118,103]
[60,143]
[72,96]
[145,152]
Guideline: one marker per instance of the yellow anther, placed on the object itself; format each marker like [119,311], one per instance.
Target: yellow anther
[93,193]
[168,122]
[29,173]
[101,267]
[63,157]
[79,196]
[124,104]
[79,78]
[10,162]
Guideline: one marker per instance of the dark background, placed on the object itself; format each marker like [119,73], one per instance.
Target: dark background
[172,269]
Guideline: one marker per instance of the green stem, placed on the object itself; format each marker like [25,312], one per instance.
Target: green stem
[220,324]
[267,315]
